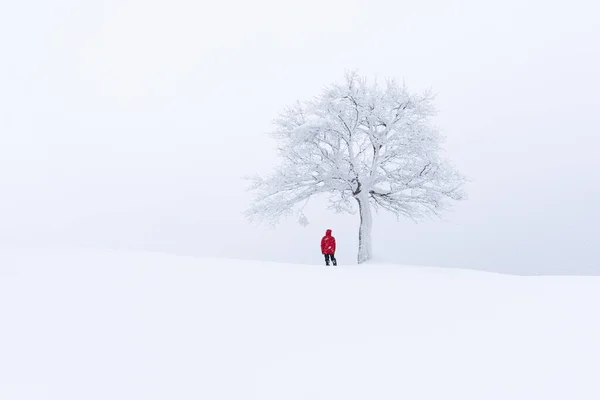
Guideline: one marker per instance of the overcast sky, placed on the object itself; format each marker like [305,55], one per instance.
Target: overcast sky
[130,123]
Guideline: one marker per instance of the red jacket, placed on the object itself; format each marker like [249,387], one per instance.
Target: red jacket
[328,243]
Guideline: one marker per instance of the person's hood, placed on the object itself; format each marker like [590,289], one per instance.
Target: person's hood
[328,232]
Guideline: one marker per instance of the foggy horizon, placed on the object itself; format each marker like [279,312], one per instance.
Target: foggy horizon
[130,125]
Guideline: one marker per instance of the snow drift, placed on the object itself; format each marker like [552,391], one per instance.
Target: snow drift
[112,325]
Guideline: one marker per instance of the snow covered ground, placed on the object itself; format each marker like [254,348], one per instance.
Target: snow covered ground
[85,325]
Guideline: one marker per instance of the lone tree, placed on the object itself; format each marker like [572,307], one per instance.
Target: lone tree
[362,145]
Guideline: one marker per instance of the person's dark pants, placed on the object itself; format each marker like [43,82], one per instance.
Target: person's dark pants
[333,260]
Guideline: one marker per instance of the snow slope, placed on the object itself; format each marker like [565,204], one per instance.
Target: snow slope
[86,325]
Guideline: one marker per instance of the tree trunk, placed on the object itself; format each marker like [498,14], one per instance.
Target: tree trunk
[364,231]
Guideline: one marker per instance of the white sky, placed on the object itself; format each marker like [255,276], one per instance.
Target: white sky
[130,123]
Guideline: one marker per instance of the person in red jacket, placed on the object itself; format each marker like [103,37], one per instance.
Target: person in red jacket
[328,247]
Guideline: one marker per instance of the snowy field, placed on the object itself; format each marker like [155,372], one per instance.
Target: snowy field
[92,325]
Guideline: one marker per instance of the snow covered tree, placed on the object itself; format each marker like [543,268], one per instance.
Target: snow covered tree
[364,146]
